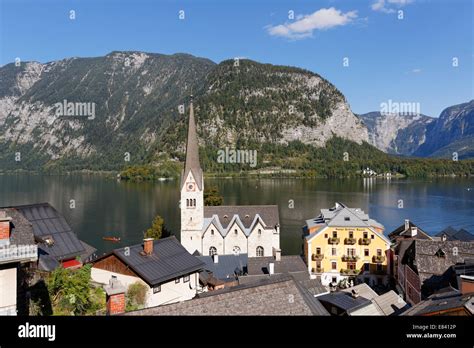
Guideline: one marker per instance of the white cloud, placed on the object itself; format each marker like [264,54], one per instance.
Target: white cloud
[303,27]
[386,6]
[416,71]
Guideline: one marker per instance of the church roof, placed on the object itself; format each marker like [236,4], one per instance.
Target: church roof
[245,216]
[192,151]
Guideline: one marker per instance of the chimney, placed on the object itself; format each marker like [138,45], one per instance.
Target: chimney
[407,224]
[354,293]
[215,258]
[4,228]
[271,268]
[115,297]
[148,246]
[467,284]
[414,231]
[277,254]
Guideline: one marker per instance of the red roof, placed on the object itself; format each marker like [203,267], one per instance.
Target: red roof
[72,263]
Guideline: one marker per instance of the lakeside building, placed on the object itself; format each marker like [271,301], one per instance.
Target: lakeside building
[18,252]
[343,243]
[168,271]
[208,230]
[57,243]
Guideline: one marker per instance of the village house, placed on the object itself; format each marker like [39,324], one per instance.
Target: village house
[450,233]
[425,266]
[169,272]
[18,252]
[447,301]
[209,230]
[343,243]
[222,271]
[361,300]
[57,242]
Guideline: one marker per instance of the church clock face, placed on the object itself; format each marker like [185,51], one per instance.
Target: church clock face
[190,186]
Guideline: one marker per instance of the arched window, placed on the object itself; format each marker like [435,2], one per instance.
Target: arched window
[212,232]
[212,251]
[259,251]
[235,232]
[259,232]
[187,202]
[236,250]
[194,202]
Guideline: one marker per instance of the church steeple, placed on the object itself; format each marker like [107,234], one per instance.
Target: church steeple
[192,151]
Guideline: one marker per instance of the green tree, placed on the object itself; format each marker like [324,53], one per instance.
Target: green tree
[135,296]
[212,197]
[70,291]
[157,229]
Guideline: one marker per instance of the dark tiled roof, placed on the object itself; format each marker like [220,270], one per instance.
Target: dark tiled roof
[344,301]
[429,264]
[288,263]
[402,231]
[453,234]
[443,300]
[21,228]
[48,222]
[246,213]
[227,267]
[192,152]
[169,260]
[278,296]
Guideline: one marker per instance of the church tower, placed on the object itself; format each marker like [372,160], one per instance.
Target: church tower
[192,191]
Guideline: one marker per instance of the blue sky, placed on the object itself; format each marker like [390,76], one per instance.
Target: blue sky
[404,60]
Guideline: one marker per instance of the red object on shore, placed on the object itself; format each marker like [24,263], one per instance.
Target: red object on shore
[72,264]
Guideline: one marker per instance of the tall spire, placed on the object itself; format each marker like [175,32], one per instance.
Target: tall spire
[192,150]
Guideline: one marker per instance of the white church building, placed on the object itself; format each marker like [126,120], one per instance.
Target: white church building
[209,230]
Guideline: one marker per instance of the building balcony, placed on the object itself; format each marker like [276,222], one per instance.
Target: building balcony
[18,253]
[350,272]
[333,240]
[378,259]
[350,258]
[317,257]
[317,270]
[364,241]
[350,241]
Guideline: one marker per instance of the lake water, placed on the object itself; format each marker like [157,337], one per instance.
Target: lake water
[105,207]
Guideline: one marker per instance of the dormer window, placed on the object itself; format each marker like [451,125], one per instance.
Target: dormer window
[226,217]
[440,253]
[247,216]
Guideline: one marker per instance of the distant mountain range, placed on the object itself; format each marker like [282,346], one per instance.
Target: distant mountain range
[424,136]
[88,113]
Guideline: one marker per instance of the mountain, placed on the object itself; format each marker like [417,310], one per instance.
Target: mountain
[452,132]
[88,113]
[395,133]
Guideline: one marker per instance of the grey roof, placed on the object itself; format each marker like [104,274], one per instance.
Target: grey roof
[46,262]
[169,260]
[344,301]
[363,290]
[287,264]
[246,214]
[268,298]
[427,263]
[48,222]
[402,231]
[21,228]
[390,303]
[227,267]
[445,299]
[192,152]
[453,234]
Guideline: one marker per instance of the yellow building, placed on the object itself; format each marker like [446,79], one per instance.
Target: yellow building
[345,243]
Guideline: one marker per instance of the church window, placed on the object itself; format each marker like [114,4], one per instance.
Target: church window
[187,202]
[212,232]
[259,232]
[260,251]
[212,251]
[194,202]
[236,250]
[235,232]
